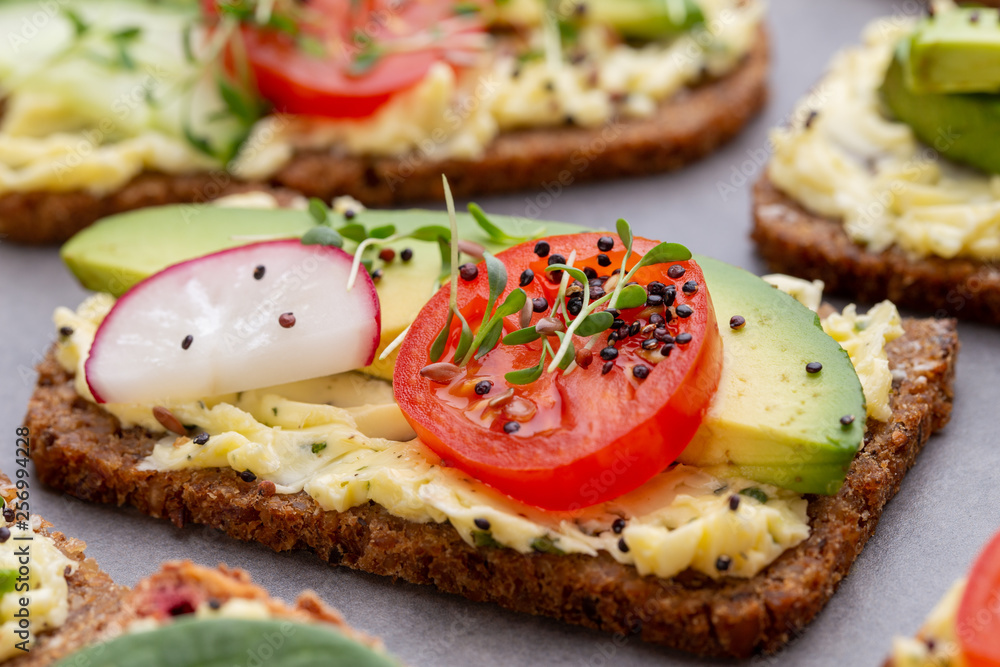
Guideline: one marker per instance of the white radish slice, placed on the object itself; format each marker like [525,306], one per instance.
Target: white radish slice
[235,306]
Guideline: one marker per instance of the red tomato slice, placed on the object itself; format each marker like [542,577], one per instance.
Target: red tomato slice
[583,437]
[978,620]
[369,51]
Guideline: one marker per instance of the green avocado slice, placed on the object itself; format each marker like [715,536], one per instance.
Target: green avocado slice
[962,127]
[115,253]
[956,51]
[645,19]
[772,421]
[222,642]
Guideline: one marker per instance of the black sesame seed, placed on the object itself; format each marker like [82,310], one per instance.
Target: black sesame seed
[597,292]
[186,343]
[661,334]
[650,344]
[248,476]
[200,439]
[468,272]
[690,287]
[810,118]
[377,275]
[618,525]
[615,336]
[847,420]
[8,514]
[484,387]
[540,305]
[623,546]
[482,524]
[258,273]
[4,534]
[350,213]
[684,310]
[590,273]
[556,258]
[656,287]
[526,277]
[65,332]
[616,272]
[603,260]
[617,324]
[605,243]
[511,427]
[406,255]
[606,368]
[737,322]
[665,350]
[675,271]
[542,248]
[286,320]
[634,328]
[654,300]
[640,371]
[656,319]
[215,604]
[734,502]
[609,353]
[614,312]
[723,563]
[814,367]
[574,306]
[683,338]
[669,295]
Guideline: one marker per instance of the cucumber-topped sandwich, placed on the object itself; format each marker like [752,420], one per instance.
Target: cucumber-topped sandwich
[111,105]
[58,607]
[885,185]
[592,426]
[963,630]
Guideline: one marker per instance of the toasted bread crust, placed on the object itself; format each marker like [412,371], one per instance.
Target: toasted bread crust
[83,451]
[795,241]
[684,129]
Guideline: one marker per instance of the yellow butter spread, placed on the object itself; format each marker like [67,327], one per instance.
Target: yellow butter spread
[42,596]
[937,643]
[344,442]
[852,162]
[74,121]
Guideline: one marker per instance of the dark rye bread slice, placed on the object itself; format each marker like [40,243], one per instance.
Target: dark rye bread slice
[685,128]
[93,599]
[794,240]
[81,450]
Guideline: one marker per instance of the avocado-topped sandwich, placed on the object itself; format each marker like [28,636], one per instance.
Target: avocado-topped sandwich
[885,185]
[111,105]
[592,426]
[57,607]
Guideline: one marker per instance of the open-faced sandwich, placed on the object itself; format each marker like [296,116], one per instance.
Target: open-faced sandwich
[591,426]
[57,607]
[963,630]
[111,105]
[886,184]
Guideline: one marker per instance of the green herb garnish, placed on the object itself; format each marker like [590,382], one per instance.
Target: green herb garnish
[755,493]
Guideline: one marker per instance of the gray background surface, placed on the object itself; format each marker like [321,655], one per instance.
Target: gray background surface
[947,509]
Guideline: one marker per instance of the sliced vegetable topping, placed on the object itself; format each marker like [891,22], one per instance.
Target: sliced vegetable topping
[555,429]
[239,319]
[346,58]
[978,620]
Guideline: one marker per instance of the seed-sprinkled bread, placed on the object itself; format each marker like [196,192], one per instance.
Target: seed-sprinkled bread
[684,129]
[81,450]
[795,241]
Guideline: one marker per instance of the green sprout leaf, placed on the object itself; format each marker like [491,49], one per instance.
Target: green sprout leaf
[568,355]
[491,229]
[496,273]
[574,272]
[430,233]
[490,340]
[545,545]
[521,336]
[383,232]
[632,296]
[464,340]
[512,304]
[80,27]
[624,232]
[355,232]
[526,375]
[595,323]
[663,253]
[437,348]
[323,236]
[319,211]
